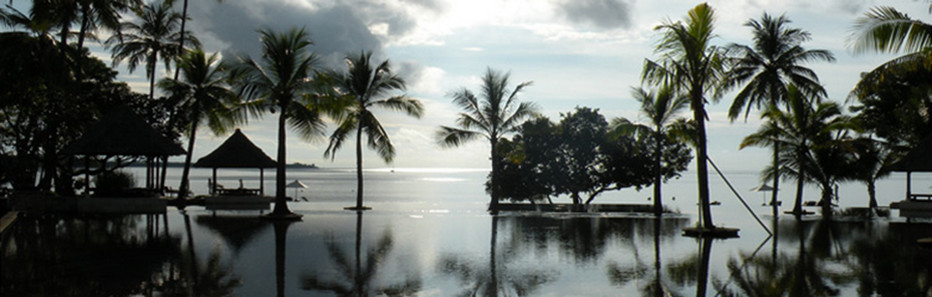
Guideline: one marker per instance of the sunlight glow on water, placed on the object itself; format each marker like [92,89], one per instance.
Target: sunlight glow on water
[436,239]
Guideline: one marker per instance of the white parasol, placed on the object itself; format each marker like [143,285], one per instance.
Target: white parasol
[296,185]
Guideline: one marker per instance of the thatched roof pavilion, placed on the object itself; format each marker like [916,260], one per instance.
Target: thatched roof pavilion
[237,152]
[919,159]
[122,132]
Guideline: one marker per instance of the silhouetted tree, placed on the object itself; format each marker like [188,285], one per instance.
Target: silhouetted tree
[203,95]
[691,64]
[363,86]
[496,114]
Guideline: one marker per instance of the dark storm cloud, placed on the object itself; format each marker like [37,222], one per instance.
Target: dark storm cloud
[337,28]
[605,14]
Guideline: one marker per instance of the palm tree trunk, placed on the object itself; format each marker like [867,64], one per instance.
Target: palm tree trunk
[185,184]
[826,201]
[776,179]
[493,277]
[702,166]
[798,206]
[281,206]
[872,193]
[184,20]
[84,24]
[359,167]
[155,65]
[493,203]
[658,204]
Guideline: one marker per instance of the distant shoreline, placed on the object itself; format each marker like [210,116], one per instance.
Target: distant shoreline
[181,164]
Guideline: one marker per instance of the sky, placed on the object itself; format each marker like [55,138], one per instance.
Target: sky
[577,53]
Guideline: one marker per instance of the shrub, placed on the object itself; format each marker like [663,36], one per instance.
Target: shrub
[113,183]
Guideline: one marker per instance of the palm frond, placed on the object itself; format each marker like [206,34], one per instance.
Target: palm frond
[884,29]
[409,106]
[453,137]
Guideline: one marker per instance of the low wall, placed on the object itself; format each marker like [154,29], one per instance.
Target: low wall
[38,203]
[563,207]
[237,203]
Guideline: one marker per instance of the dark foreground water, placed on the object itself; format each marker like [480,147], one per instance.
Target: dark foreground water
[428,235]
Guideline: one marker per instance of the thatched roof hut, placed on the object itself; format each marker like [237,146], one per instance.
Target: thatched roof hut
[237,152]
[919,159]
[122,132]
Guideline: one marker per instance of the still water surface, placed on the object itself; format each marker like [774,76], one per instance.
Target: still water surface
[429,235]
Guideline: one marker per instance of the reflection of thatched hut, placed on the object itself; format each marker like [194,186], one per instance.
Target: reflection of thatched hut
[236,231]
[122,132]
[237,152]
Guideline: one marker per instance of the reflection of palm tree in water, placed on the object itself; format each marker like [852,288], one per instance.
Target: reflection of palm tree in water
[498,281]
[620,275]
[783,275]
[356,280]
[212,279]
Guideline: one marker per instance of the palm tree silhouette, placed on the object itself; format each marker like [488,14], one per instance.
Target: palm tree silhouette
[495,279]
[356,281]
[692,65]
[203,94]
[155,35]
[766,68]
[804,126]
[661,107]
[494,115]
[102,13]
[284,80]
[363,85]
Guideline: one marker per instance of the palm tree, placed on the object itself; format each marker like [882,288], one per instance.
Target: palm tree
[873,156]
[884,29]
[495,115]
[184,21]
[204,94]
[662,108]
[155,35]
[103,13]
[364,85]
[283,80]
[693,66]
[90,15]
[807,129]
[768,67]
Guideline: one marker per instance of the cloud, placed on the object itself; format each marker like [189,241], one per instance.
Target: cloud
[605,14]
[337,28]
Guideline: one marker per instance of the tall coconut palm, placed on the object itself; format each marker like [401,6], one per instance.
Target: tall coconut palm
[690,63]
[766,68]
[494,115]
[203,95]
[283,80]
[156,35]
[662,108]
[366,88]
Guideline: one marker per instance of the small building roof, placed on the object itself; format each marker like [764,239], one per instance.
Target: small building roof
[122,132]
[236,152]
[919,159]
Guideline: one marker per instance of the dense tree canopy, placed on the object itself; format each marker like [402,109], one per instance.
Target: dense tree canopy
[578,157]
